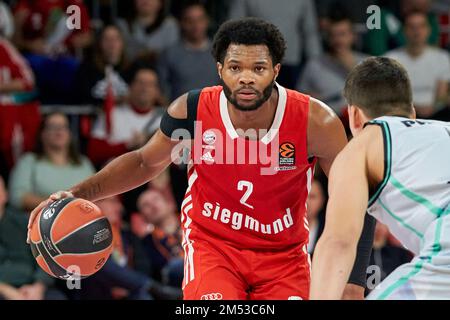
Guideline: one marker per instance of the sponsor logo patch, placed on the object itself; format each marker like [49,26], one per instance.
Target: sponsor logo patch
[212,296]
[209,137]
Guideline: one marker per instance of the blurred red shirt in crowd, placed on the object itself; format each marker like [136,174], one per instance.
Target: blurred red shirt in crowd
[41,26]
[19,113]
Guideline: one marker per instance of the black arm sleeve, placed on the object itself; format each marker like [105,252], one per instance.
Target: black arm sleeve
[169,124]
[358,275]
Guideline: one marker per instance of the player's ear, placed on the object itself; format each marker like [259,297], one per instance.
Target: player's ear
[360,119]
[414,114]
[356,119]
[276,70]
[219,69]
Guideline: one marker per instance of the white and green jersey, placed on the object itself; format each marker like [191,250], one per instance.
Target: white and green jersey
[413,199]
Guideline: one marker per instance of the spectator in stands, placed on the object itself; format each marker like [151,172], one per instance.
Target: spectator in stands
[19,110]
[52,49]
[324,77]
[54,165]
[356,10]
[106,67]
[6,21]
[149,28]
[42,30]
[428,67]
[315,213]
[391,35]
[163,242]
[130,124]
[297,20]
[386,256]
[20,276]
[189,64]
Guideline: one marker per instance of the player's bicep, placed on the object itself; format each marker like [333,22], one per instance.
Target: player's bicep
[173,135]
[326,134]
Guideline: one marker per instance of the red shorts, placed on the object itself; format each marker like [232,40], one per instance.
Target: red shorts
[215,271]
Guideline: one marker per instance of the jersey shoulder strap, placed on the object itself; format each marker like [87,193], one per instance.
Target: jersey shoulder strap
[387,142]
[192,107]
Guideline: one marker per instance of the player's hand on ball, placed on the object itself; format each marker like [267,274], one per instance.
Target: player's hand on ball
[54,197]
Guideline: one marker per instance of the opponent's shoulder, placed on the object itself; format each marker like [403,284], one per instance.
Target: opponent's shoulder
[367,140]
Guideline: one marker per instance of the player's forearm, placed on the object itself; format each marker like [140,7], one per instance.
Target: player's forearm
[120,175]
[332,264]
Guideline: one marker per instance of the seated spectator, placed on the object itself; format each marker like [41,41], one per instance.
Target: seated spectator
[19,110]
[391,35]
[106,67]
[163,241]
[297,20]
[20,276]
[42,30]
[182,63]
[428,67]
[385,255]
[6,21]
[324,77]
[54,165]
[50,47]
[148,28]
[316,205]
[130,124]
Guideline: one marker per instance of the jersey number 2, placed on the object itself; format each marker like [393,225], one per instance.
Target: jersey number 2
[249,186]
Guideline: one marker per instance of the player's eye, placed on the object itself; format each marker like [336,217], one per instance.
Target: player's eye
[234,68]
[259,69]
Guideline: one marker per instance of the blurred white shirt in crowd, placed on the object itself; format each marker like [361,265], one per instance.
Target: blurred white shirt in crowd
[425,71]
[125,121]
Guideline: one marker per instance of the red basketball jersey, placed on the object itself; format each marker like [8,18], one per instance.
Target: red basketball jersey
[249,193]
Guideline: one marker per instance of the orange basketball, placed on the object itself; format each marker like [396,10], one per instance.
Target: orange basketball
[71,238]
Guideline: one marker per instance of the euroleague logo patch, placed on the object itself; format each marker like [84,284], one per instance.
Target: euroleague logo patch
[286,159]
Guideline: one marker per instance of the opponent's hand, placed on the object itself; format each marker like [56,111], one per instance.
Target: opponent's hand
[54,197]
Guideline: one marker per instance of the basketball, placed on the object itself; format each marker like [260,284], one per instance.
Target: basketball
[71,237]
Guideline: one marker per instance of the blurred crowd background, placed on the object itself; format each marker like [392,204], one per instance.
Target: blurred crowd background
[71,100]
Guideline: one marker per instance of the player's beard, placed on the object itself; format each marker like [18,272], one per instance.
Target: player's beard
[262,97]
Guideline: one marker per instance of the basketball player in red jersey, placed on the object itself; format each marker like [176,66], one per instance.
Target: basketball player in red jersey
[244,214]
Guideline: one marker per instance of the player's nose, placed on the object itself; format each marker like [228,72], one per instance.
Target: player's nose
[246,78]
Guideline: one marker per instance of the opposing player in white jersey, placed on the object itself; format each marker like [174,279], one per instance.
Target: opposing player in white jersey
[398,169]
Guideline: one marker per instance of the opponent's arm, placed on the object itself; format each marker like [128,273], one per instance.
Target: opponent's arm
[129,170]
[350,177]
[326,138]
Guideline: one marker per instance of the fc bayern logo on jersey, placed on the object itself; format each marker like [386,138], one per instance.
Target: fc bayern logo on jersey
[209,137]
